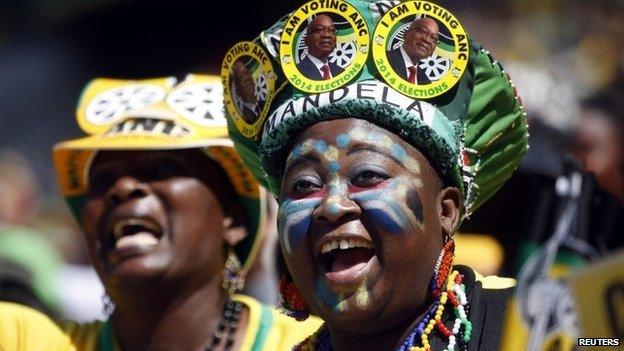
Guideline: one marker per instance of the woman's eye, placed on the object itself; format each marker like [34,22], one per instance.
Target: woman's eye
[369,178]
[305,186]
[165,169]
[101,181]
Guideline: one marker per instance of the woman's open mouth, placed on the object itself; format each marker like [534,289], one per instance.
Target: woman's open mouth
[346,261]
[132,236]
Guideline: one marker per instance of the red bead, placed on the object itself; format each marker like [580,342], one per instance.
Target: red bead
[453,298]
[443,329]
[293,299]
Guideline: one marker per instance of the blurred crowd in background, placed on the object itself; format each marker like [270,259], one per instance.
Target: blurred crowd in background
[566,59]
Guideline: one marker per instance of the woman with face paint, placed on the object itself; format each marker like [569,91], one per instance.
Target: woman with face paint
[372,184]
[172,222]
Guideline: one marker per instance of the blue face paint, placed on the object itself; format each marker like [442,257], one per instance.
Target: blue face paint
[296,151]
[295,216]
[398,152]
[343,140]
[294,219]
[381,206]
[391,207]
[328,298]
[333,167]
[384,220]
[414,203]
[320,146]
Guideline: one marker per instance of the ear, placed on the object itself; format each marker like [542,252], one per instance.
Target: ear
[448,209]
[232,233]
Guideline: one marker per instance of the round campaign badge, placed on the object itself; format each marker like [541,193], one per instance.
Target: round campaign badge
[324,45]
[249,85]
[420,49]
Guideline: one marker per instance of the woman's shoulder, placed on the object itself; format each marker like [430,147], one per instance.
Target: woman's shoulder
[24,329]
[85,336]
[486,282]
[494,282]
[268,329]
[488,297]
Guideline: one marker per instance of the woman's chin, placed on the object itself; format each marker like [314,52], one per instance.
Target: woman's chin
[355,319]
[354,311]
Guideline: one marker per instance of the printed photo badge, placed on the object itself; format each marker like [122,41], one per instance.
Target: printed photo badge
[324,45]
[248,74]
[420,49]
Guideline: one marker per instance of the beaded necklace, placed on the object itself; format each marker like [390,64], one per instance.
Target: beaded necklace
[458,335]
[227,325]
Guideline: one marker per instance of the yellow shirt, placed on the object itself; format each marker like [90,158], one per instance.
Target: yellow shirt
[24,329]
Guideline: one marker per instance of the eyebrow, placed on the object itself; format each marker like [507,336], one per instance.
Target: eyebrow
[370,148]
[306,158]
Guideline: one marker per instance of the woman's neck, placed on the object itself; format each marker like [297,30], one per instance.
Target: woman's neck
[169,318]
[384,340]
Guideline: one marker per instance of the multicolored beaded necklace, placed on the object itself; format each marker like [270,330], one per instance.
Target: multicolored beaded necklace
[451,289]
[458,335]
[455,294]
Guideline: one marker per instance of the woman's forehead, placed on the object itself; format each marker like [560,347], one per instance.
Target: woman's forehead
[129,161]
[337,131]
[336,140]
[138,155]
[330,137]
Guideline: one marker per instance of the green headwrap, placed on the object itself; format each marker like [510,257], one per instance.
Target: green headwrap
[468,120]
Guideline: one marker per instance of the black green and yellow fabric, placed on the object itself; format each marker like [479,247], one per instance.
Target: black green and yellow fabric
[157,114]
[24,329]
[468,120]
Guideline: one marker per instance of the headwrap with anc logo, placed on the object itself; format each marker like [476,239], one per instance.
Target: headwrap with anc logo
[457,105]
[158,114]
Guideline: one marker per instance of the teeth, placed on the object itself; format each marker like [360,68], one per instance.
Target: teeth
[345,244]
[118,230]
[138,239]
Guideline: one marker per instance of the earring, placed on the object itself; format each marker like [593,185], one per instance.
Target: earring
[233,280]
[291,300]
[443,267]
[108,307]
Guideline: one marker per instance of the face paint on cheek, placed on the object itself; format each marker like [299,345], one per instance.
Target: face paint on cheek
[339,302]
[415,205]
[362,296]
[381,206]
[328,298]
[330,154]
[294,218]
[392,207]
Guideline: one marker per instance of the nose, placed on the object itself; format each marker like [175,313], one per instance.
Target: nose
[336,208]
[126,188]
[427,39]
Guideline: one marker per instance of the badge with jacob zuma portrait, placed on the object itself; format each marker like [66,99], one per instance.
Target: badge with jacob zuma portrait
[420,48]
[324,45]
[249,82]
